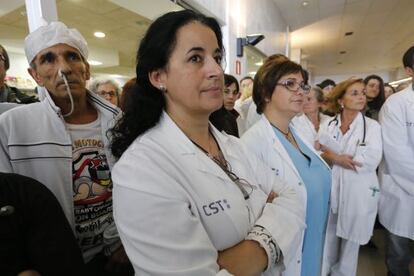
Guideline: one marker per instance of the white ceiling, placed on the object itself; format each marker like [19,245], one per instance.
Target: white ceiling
[383,30]
[120,20]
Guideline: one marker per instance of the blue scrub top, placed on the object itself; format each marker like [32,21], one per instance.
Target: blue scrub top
[317,179]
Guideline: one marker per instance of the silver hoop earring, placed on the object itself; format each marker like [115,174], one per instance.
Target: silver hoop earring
[162,88]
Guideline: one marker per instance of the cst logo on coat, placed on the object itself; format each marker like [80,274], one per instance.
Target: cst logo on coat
[216,207]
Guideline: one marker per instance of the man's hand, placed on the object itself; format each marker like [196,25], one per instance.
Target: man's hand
[244,259]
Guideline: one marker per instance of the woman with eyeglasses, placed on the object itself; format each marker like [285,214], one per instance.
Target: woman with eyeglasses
[188,199]
[107,89]
[352,145]
[279,89]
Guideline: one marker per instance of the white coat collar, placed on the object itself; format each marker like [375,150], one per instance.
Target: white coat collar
[276,144]
[279,148]
[184,147]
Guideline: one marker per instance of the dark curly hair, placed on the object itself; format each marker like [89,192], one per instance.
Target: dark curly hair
[145,105]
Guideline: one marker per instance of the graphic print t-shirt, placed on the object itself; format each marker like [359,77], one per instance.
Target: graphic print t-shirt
[92,187]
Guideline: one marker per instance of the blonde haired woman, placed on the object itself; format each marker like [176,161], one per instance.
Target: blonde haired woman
[352,144]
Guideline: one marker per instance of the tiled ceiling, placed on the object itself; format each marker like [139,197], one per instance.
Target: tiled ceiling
[382,31]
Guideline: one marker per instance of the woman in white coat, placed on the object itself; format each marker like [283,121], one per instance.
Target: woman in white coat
[189,200]
[352,144]
[278,92]
[308,123]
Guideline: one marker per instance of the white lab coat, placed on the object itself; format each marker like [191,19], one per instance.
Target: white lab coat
[262,140]
[306,129]
[354,195]
[175,208]
[397,171]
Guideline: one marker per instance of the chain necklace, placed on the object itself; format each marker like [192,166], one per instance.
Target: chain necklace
[291,139]
[222,163]
[219,159]
[287,135]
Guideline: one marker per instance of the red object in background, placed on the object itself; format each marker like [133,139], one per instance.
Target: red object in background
[238,67]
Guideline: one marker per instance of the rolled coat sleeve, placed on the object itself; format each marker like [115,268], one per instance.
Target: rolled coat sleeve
[284,218]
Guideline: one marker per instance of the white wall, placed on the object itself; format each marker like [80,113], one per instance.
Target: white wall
[243,17]
[265,17]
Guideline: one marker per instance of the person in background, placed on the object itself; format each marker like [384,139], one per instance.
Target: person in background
[231,93]
[278,92]
[226,117]
[35,235]
[65,146]
[127,90]
[375,95]
[352,144]
[243,104]
[246,86]
[308,123]
[397,175]
[7,93]
[107,89]
[388,90]
[327,86]
[187,198]
[402,86]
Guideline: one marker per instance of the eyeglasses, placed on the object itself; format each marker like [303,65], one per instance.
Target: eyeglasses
[105,93]
[294,86]
[245,187]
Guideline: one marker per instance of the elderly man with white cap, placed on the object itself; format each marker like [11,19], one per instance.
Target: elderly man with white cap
[61,141]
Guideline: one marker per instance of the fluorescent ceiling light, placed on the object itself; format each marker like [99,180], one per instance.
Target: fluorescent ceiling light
[305,3]
[260,63]
[252,73]
[99,34]
[94,62]
[399,81]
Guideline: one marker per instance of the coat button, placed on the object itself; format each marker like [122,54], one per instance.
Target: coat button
[300,183]
[298,261]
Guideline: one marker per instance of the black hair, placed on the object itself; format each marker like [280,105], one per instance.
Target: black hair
[379,100]
[145,105]
[229,80]
[408,58]
[6,57]
[326,83]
